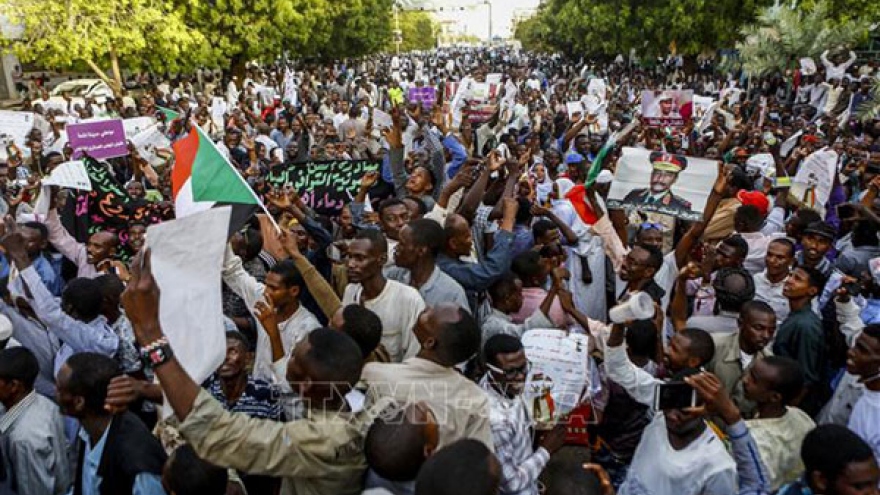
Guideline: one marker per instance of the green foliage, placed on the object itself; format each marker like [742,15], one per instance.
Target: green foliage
[782,35]
[419,32]
[138,33]
[351,29]
[651,27]
[243,30]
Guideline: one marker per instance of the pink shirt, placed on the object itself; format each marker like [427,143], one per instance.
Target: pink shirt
[532,299]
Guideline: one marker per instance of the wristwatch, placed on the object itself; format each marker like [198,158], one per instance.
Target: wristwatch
[157,353]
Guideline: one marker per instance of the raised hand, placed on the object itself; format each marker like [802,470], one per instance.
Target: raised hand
[141,299]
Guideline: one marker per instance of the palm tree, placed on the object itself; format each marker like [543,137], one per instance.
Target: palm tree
[783,34]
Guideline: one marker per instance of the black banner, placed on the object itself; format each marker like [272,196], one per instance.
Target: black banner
[107,207]
[325,186]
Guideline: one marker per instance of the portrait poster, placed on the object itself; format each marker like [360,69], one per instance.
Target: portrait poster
[658,182]
[669,108]
[811,186]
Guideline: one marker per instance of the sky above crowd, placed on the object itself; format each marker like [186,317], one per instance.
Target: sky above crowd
[474,19]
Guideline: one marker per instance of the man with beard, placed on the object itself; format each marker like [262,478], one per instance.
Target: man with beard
[665,170]
[511,424]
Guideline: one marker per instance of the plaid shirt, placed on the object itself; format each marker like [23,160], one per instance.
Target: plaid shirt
[512,432]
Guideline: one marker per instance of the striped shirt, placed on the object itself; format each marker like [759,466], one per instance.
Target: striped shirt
[512,433]
[259,399]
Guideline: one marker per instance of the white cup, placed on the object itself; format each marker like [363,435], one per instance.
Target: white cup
[639,306]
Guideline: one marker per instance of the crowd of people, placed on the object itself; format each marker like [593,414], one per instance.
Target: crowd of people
[380,350]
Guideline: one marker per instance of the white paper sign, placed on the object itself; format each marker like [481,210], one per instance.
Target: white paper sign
[812,184]
[573,108]
[14,127]
[152,145]
[72,174]
[136,125]
[381,119]
[559,366]
[596,87]
[187,259]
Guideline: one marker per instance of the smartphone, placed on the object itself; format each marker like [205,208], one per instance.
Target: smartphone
[674,395]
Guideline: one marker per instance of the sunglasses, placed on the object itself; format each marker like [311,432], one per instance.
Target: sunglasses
[512,372]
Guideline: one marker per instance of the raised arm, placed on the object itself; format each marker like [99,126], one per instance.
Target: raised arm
[63,241]
[76,334]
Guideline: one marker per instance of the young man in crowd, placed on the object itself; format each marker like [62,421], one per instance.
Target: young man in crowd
[396,304]
[33,446]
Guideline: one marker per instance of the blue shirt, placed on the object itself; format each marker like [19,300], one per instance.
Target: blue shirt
[144,483]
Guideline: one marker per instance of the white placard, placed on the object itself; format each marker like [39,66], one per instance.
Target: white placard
[187,260]
[14,127]
[494,78]
[136,125]
[72,174]
[559,366]
[152,145]
[381,119]
[573,108]
[812,184]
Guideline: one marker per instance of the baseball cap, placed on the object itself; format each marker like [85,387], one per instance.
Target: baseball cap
[821,229]
[574,158]
[754,198]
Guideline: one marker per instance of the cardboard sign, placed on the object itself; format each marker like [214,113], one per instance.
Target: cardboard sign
[102,139]
[660,182]
[671,108]
[326,186]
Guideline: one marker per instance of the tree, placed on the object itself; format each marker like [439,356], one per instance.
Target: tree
[352,29]
[782,35]
[243,30]
[137,33]
[419,31]
[604,29]
[533,32]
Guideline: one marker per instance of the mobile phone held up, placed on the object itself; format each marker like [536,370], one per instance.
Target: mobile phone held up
[674,395]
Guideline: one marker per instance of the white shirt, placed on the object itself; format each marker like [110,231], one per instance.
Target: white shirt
[755,260]
[771,293]
[702,468]
[398,306]
[865,420]
[292,330]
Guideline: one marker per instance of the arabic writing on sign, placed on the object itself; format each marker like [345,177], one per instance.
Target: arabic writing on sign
[327,185]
